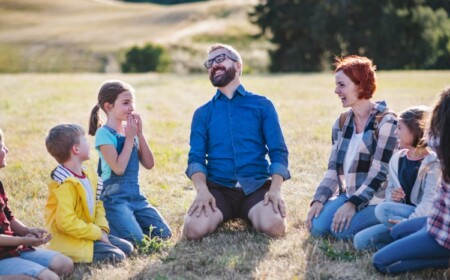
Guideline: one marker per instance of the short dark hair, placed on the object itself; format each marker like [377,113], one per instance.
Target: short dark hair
[60,140]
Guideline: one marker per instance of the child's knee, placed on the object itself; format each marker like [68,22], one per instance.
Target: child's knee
[47,274]
[62,265]
[380,213]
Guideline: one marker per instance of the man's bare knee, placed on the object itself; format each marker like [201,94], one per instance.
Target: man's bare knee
[274,227]
[194,231]
[197,227]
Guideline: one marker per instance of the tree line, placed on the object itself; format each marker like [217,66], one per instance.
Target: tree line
[396,34]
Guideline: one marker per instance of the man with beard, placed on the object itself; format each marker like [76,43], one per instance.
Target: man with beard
[231,136]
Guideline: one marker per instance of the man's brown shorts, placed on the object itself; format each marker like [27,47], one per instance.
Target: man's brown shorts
[233,203]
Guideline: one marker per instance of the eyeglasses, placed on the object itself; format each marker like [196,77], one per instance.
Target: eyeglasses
[218,59]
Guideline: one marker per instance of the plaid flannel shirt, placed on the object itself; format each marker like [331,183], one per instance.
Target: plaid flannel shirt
[439,221]
[368,171]
[6,216]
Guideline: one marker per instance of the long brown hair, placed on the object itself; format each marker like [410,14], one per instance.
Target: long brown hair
[440,128]
[415,119]
[108,92]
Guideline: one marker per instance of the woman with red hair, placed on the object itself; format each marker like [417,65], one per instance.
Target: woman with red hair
[363,140]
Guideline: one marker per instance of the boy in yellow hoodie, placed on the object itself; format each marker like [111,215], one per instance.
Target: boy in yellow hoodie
[73,214]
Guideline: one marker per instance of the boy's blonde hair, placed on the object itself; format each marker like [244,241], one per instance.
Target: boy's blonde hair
[60,140]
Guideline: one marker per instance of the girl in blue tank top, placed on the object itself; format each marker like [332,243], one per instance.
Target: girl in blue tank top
[121,148]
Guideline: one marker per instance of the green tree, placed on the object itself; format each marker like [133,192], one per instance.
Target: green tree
[397,34]
[147,58]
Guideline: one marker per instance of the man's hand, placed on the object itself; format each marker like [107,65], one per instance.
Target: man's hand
[343,217]
[274,195]
[204,201]
[313,212]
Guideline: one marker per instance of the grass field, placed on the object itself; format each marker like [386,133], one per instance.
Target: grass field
[92,35]
[30,104]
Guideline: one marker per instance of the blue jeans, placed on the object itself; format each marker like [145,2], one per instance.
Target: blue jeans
[132,219]
[393,211]
[378,236]
[321,226]
[30,263]
[372,238]
[416,250]
[117,251]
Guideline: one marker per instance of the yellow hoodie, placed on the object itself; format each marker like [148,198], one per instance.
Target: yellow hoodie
[67,216]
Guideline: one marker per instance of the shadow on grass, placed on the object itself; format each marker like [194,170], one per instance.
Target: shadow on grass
[232,252]
[328,258]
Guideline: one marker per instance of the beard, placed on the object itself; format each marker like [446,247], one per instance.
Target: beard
[224,79]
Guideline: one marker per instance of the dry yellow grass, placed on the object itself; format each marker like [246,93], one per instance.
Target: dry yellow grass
[89,35]
[32,103]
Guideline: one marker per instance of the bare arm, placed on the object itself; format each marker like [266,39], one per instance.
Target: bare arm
[8,240]
[145,153]
[19,228]
[119,162]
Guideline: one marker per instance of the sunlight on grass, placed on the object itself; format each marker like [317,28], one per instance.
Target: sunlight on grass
[31,104]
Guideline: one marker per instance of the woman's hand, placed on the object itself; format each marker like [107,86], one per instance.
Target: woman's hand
[343,217]
[313,212]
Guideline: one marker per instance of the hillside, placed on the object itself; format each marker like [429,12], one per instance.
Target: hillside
[90,35]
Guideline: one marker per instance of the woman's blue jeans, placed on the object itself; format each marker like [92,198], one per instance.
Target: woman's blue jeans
[416,250]
[321,226]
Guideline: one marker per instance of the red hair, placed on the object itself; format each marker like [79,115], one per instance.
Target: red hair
[361,71]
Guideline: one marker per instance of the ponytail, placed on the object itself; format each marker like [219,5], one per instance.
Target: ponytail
[94,121]
[108,93]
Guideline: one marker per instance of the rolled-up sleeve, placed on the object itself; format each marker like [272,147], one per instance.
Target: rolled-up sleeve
[280,169]
[278,151]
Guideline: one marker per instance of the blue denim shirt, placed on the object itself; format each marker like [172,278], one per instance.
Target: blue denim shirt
[230,139]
